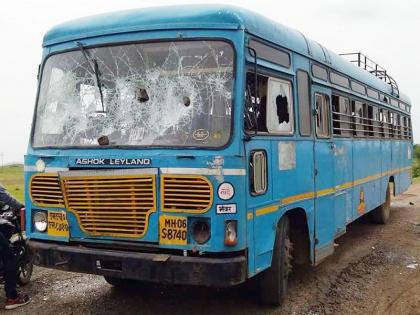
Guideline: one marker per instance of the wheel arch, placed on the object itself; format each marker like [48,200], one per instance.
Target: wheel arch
[299,235]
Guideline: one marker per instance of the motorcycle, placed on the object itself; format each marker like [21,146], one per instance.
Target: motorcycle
[18,245]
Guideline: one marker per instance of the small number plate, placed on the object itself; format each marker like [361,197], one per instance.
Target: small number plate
[57,224]
[172,230]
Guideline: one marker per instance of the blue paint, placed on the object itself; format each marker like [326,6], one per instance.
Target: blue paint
[335,160]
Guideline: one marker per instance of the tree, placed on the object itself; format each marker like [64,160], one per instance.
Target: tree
[417,151]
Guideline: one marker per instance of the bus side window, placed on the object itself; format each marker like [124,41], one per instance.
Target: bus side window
[261,101]
[376,122]
[398,126]
[341,116]
[322,117]
[409,128]
[385,123]
[405,128]
[391,124]
[358,108]
[258,172]
[304,103]
[279,106]
[381,122]
[369,121]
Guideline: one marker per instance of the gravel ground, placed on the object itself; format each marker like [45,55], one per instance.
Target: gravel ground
[369,273]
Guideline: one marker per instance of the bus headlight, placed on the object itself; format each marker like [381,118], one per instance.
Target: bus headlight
[231,232]
[201,231]
[40,221]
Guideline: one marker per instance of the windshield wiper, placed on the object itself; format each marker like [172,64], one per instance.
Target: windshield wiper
[95,70]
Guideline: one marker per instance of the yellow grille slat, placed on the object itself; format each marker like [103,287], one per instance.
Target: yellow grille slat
[107,182]
[113,195]
[182,181]
[197,201]
[102,189]
[113,205]
[190,193]
[113,224]
[113,221]
[45,190]
[49,192]
[186,193]
[176,191]
[115,231]
[104,200]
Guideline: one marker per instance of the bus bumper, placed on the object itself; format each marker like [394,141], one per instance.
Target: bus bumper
[151,267]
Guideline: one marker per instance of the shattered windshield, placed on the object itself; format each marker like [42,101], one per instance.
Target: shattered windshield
[147,94]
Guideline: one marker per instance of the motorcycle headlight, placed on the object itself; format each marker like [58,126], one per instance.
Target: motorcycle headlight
[40,221]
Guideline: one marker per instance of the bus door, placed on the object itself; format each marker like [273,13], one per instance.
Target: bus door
[343,165]
[324,174]
[258,153]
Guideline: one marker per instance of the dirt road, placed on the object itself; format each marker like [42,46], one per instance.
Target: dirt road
[375,270]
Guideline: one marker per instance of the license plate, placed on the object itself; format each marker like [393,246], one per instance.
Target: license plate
[57,224]
[172,230]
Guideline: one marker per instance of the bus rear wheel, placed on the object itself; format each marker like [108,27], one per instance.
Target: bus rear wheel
[273,281]
[380,215]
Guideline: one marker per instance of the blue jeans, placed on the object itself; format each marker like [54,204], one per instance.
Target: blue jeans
[9,267]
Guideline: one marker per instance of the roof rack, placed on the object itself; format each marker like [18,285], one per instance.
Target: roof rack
[369,65]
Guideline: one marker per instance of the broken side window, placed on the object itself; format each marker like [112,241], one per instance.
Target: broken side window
[279,106]
[322,117]
[257,104]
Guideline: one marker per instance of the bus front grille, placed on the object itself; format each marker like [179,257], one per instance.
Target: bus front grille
[116,205]
[186,193]
[45,190]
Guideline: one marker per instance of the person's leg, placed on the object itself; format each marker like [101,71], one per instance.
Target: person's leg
[9,264]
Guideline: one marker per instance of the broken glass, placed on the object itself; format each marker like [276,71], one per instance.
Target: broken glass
[154,94]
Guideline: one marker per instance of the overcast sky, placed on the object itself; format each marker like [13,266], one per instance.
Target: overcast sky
[385,30]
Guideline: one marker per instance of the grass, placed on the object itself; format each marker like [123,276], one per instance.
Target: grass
[11,177]
[416,180]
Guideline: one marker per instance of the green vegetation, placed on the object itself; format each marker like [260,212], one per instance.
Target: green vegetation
[416,163]
[11,177]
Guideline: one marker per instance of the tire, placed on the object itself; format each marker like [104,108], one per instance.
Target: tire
[25,267]
[380,215]
[122,284]
[118,282]
[25,273]
[273,281]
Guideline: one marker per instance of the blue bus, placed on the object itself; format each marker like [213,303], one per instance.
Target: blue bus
[205,145]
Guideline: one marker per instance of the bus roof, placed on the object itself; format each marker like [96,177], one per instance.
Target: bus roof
[210,17]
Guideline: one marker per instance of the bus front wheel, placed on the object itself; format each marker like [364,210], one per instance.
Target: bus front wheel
[273,281]
[380,215]
[118,282]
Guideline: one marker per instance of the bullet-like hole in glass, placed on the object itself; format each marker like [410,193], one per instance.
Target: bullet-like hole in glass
[142,96]
[186,100]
